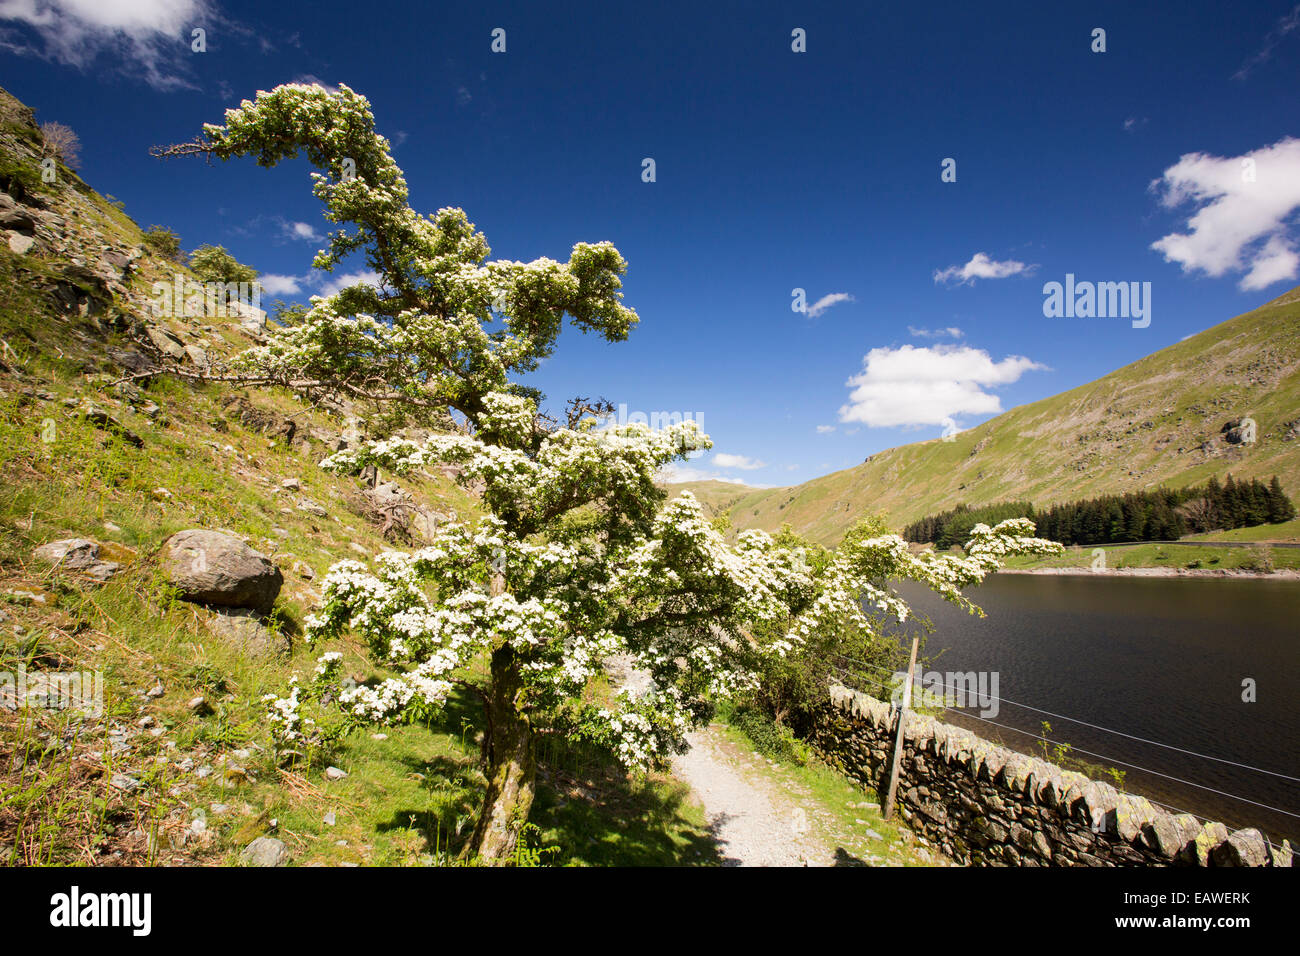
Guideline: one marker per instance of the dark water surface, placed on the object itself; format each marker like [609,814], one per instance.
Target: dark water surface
[1160,658]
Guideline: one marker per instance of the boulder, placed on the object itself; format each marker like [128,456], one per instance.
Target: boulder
[252,319]
[312,508]
[260,419]
[1167,835]
[74,553]
[15,216]
[265,851]
[130,360]
[424,523]
[166,342]
[123,261]
[93,280]
[241,628]
[19,244]
[209,567]
[1242,435]
[101,571]
[73,297]
[79,554]
[1239,431]
[353,433]
[397,511]
[328,439]
[101,419]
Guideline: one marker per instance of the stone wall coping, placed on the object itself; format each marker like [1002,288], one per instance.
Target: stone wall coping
[1133,818]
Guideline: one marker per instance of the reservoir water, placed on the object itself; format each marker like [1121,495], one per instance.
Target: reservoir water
[1159,658]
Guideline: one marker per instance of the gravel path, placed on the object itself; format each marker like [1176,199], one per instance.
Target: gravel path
[754,823]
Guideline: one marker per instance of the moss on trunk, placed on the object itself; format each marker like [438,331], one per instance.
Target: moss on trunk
[510,762]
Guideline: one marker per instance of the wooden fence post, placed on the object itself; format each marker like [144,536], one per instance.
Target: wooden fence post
[896,758]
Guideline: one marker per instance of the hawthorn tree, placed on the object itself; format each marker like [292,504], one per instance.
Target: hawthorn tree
[215,264]
[164,242]
[579,563]
[579,559]
[442,327]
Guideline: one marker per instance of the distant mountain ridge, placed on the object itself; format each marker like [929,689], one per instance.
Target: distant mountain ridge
[1164,419]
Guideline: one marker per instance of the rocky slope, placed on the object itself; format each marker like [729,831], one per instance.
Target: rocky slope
[164,533]
[166,537]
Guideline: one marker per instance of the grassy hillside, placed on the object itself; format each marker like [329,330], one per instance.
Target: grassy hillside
[1156,421]
[159,778]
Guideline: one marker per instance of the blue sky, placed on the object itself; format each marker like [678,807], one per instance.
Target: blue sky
[775,171]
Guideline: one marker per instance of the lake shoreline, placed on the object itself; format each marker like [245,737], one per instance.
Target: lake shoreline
[1284,574]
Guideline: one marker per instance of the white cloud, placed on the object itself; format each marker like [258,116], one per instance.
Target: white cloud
[981,267]
[286,230]
[332,284]
[743,462]
[825,429]
[301,230]
[1288,24]
[321,282]
[280,285]
[1276,261]
[153,35]
[307,79]
[1239,225]
[928,386]
[826,301]
[791,467]
[1134,122]
[950,332]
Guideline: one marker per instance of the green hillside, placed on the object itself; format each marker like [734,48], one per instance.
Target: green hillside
[1159,420]
[178,767]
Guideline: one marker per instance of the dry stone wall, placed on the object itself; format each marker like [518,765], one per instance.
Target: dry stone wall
[986,805]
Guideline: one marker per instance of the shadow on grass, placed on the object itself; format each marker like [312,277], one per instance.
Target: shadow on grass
[586,804]
[627,824]
[599,815]
[452,781]
[455,791]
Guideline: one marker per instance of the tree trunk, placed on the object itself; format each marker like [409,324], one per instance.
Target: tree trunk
[511,766]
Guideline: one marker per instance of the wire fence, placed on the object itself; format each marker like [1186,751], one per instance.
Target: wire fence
[850,672]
